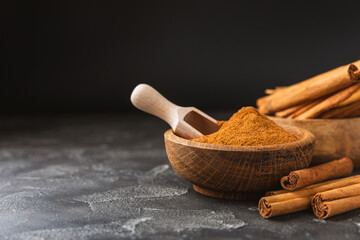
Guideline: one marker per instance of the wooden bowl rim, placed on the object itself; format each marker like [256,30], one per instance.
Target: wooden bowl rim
[305,138]
[318,119]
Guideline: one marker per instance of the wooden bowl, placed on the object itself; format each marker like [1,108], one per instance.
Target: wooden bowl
[335,138]
[237,172]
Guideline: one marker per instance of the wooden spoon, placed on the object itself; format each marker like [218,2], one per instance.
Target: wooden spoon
[186,122]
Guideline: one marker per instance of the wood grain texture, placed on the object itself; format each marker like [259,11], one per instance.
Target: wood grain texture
[227,171]
[335,138]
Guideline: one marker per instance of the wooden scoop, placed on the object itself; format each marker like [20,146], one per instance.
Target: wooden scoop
[186,122]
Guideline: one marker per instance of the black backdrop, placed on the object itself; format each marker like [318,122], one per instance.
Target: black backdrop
[88,56]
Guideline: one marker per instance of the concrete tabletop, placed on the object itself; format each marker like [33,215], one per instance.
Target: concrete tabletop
[108,177]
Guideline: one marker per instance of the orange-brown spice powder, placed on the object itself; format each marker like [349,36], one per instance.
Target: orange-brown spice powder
[248,127]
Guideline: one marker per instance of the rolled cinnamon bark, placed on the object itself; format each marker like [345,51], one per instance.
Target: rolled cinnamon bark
[268,209]
[329,102]
[354,70]
[304,177]
[352,99]
[289,111]
[298,200]
[351,110]
[277,192]
[271,91]
[310,89]
[333,202]
[306,107]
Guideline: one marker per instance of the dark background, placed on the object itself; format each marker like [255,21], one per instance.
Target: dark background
[88,56]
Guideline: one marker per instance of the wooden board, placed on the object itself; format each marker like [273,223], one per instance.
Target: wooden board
[335,138]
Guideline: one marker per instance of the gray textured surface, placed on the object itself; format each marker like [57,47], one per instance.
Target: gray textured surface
[100,177]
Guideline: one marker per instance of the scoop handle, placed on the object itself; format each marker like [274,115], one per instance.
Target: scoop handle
[147,99]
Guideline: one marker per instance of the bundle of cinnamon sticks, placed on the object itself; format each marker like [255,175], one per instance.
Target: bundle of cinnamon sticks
[333,94]
[303,190]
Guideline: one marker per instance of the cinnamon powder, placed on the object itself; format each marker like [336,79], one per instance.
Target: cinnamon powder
[248,127]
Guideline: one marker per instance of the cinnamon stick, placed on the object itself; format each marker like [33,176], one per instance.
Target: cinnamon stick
[333,202]
[352,99]
[354,70]
[298,200]
[271,91]
[310,89]
[289,111]
[277,192]
[304,177]
[297,110]
[351,110]
[306,107]
[329,102]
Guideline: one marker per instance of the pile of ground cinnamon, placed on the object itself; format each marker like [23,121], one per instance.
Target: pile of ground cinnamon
[248,127]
